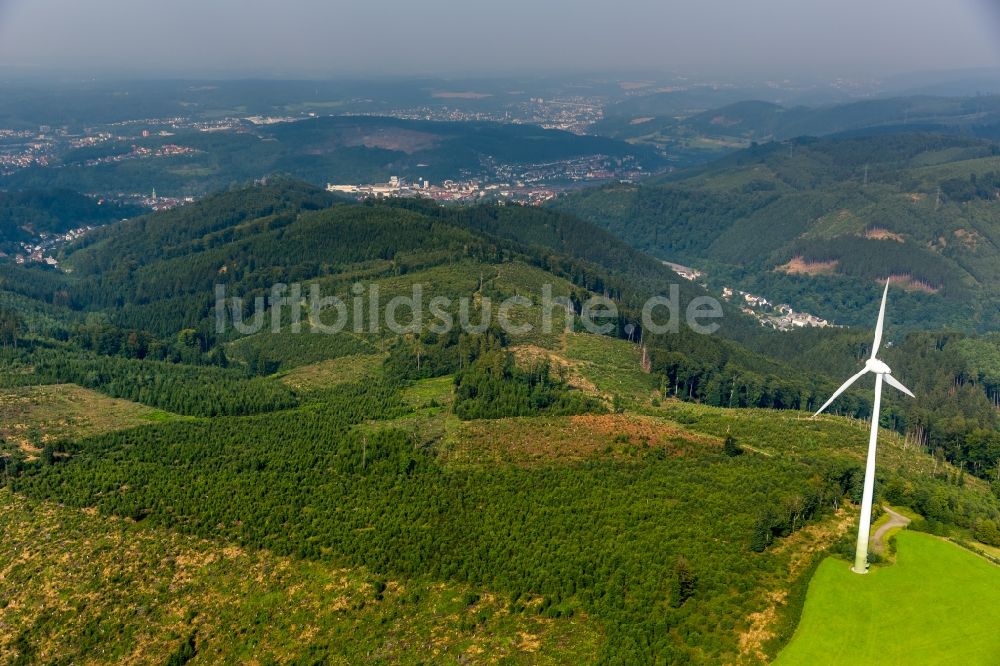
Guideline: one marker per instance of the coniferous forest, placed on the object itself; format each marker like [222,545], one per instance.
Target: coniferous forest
[413,333]
[659,488]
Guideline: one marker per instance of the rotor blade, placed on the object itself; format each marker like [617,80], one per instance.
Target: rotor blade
[840,390]
[895,383]
[881,320]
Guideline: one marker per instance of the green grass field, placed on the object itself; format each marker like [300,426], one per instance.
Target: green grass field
[938,604]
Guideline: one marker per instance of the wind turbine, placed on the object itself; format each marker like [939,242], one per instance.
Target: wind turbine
[882,373]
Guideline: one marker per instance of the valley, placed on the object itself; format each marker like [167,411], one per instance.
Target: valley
[277,424]
[804,221]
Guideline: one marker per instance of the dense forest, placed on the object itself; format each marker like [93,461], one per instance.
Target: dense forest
[955,378]
[604,537]
[570,534]
[663,531]
[26,215]
[490,385]
[817,222]
[152,281]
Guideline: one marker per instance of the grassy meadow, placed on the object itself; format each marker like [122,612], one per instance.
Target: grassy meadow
[937,604]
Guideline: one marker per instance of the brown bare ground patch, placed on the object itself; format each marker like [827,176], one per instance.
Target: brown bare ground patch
[391,138]
[529,642]
[803,544]
[917,196]
[537,440]
[636,427]
[528,355]
[33,416]
[801,266]
[971,239]
[907,282]
[877,233]
[760,630]
[814,537]
[333,372]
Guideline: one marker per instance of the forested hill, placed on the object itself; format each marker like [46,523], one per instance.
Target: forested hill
[137,308]
[558,493]
[343,149]
[158,272]
[818,223]
[179,231]
[756,119]
[24,215]
[133,312]
[147,287]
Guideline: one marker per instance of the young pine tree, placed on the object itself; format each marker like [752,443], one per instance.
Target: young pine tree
[683,583]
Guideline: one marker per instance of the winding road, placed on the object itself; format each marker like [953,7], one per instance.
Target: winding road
[895,520]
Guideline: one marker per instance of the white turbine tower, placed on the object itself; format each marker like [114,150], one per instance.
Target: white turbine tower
[881,372]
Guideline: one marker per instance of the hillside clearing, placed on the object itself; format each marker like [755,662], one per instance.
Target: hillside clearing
[33,416]
[531,441]
[77,587]
[334,371]
[801,266]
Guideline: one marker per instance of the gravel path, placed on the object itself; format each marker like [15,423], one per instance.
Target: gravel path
[895,520]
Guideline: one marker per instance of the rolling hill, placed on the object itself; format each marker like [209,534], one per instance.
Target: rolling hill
[758,120]
[26,216]
[422,496]
[543,538]
[818,222]
[343,149]
[702,133]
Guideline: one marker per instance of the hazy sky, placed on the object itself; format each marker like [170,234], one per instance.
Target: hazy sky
[344,37]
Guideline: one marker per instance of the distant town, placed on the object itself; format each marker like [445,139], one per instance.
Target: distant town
[532,184]
[780,317]
[450,191]
[572,114]
[42,250]
[117,142]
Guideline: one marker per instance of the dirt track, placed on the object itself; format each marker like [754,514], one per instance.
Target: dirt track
[895,520]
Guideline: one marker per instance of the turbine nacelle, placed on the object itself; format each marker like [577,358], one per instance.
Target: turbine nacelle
[872,365]
[877,366]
